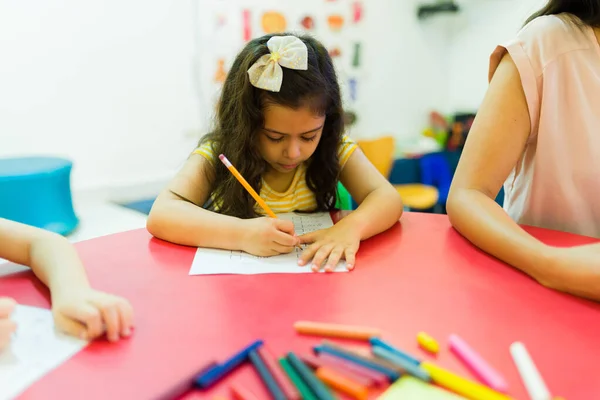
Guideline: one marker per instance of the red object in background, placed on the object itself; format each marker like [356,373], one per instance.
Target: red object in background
[308,22]
[420,275]
[357,11]
[335,52]
[246,25]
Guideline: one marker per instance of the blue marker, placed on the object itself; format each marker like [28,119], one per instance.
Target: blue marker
[376,342]
[407,366]
[316,386]
[214,374]
[391,374]
[266,375]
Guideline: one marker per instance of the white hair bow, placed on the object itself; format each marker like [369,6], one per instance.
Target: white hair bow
[285,51]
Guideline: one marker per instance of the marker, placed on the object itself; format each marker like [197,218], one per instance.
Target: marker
[532,379]
[335,330]
[460,385]
[317,362]
[477,364]
[241,393]
[380,343]
[282,380]
[407,366]
[210,377]
[297,380]
[378,378]
[185,385]
[266,376]
[317,387]
[392,374]
[428,343]
[340,382]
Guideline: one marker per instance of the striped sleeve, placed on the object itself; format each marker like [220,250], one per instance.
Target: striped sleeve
[206,151]
[346,149]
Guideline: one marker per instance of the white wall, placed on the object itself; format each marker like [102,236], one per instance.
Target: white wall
[107,83]
[114,85]
[484,24]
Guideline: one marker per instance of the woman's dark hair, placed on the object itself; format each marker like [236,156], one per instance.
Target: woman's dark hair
[239,118]
[588,11]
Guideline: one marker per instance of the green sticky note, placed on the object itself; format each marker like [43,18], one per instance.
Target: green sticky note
[409,388]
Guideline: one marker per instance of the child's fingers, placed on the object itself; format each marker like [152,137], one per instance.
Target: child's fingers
[320,256]
[111,321]
[284,226]
[307,255]
[334,258]
[7,306]
[308,238]
[126,317]
[350,256]
[281,249]
[87,315]
[285,239]
[72,327]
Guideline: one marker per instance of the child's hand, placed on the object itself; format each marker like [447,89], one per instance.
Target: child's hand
[331,244]
[7,326]
[88,314]
[268,236]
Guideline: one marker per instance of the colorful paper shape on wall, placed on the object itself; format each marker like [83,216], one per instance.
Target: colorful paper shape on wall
[352,84]
[273,22]
[356,55]
[357,11]
[220,74]
[335,52]
[246,25]
[335,22]
[308,23]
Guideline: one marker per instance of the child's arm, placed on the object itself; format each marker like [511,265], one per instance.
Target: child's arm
[379,208]
[495,143]
[78,309]
[177,216]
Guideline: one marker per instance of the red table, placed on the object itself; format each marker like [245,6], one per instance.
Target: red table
[419,275]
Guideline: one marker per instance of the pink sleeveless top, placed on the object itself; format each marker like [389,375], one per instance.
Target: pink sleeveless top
[556,182]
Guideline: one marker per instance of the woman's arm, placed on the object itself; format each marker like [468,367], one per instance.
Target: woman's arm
[495,143]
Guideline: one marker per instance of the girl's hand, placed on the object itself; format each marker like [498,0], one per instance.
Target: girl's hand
[331,244]
[266,236]
[7,326]
[88,314]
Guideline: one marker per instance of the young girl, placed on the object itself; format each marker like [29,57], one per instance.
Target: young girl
[538,132]
[279,122]
[78,309]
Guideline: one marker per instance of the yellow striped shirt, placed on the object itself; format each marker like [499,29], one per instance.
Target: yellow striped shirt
[298,197]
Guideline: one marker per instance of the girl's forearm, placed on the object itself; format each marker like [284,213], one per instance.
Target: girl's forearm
[184,223]
[379,211]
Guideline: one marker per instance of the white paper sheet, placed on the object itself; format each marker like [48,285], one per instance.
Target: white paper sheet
[35,349]
[214,261]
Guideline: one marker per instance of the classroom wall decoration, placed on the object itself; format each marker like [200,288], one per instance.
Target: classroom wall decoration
[224,26]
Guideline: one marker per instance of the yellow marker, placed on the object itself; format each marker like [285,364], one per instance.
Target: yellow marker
[462,386]
[428,343]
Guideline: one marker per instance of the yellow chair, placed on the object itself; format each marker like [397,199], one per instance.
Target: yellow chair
[380,152]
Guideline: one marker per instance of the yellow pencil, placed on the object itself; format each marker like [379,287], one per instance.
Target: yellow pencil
[252,192]
[245,184]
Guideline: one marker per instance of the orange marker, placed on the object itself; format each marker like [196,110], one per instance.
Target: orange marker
[247,186]
[343,384]
[240,393]
[335,330]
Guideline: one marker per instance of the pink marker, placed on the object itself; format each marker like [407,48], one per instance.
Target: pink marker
[335,362]
[477,364]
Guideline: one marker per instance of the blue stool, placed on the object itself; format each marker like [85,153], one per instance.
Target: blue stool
[37,191]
